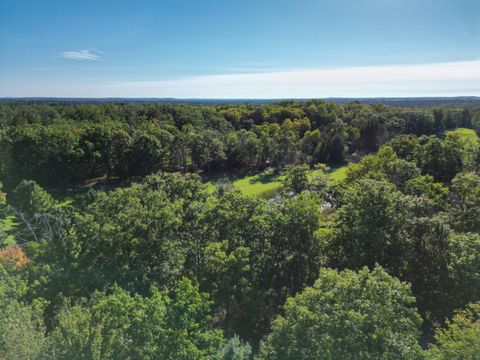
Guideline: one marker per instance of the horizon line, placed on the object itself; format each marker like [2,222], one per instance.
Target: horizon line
[240,98]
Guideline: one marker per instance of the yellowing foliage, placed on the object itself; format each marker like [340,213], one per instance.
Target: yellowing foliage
[14,253]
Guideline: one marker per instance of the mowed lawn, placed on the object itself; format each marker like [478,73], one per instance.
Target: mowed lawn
[266,184]
[263,184]
[336,174]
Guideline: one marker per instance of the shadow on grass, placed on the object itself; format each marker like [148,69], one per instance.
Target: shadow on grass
[333,168]
[268,194]
[264,178]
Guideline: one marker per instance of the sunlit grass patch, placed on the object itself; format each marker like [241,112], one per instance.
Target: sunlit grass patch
[267,183]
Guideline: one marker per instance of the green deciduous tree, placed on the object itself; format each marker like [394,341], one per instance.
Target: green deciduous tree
[465,193]
[29,198]
[370,227]
[441,159]
[120,326]
[347,315]
[296,178]
[460,339]
[426,186]
[463,269]
[21,326]
[235,349]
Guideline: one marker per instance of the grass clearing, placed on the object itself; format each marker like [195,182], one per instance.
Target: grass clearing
[467,135]
[335,174]
[338,174]
[264,184]
[267,183]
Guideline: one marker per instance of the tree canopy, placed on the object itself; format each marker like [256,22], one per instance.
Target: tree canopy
[116,244]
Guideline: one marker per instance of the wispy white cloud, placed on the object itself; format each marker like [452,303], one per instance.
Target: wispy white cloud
[436,79]
[81,55]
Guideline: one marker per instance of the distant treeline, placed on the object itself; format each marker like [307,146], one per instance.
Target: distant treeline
[421,102]
[63,145]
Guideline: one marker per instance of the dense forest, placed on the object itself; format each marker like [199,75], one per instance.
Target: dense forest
[60,146]
[112,246]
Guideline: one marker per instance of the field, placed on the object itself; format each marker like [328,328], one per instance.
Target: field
[267,183]
[468,135]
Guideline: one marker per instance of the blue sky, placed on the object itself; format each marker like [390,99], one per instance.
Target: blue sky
[239,49]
